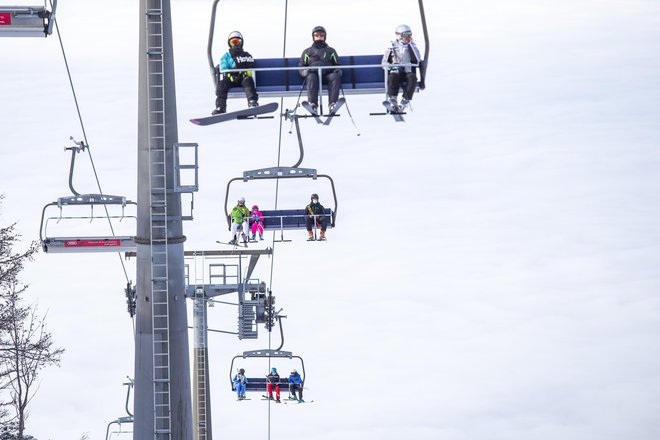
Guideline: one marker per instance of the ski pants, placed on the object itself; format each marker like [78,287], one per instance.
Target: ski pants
[400,78]
[293,387]
[321,221]
[235,227]
[269,388]
[240,389]
[225,84]
[333,79]
[257,227]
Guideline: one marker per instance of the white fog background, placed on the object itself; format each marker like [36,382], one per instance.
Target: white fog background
[494,272]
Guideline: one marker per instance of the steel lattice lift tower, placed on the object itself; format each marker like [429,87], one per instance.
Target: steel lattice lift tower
[162,398]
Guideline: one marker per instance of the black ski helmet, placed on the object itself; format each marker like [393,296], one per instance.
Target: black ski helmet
[314,196]
[235,34]
[241,371]
[319,29]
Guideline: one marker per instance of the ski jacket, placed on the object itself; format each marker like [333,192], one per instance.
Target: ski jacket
[273,379]
[239,214]
[256,217]
[318,54]
[314,209]
[236,59]
[240,378]
[402,53]
[295,379]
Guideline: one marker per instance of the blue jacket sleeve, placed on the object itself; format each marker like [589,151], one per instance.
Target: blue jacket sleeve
[227,62]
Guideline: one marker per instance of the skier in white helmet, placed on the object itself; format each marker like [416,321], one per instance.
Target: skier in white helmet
[402,51]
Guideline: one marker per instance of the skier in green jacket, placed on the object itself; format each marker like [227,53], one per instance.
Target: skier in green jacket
[240,215]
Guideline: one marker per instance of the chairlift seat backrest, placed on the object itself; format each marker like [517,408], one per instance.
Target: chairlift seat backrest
[259,384]
[283,82]
[291,218]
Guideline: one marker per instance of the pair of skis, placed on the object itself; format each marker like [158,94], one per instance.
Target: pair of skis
[236,244]
[307,106]
[395,111]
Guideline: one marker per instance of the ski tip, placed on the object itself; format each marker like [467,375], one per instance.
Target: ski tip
[195,121]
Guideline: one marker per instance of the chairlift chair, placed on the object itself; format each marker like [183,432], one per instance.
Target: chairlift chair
[26,21]
[279,77]
[97,243]
[259,383]
[281,219]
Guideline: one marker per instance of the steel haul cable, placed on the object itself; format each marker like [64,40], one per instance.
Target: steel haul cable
[82,127]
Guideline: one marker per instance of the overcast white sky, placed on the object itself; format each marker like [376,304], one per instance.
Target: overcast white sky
[494,273]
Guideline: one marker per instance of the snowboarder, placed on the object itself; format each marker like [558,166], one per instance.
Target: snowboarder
[314,212]
[257,223]
[273,380]
[296,384]
[239,382]
[235,58]
[239,219]
[320,54]
[402,51]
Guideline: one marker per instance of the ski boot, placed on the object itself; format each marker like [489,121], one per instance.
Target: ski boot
[261,237]
[311,236]
[322,237]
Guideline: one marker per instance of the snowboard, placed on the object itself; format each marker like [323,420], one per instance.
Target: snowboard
[250,112]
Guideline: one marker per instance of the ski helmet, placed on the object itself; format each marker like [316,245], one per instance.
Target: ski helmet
[241,371]
[294,371]
[319,29]
[231,36]
[255,208]
[241,201]
[403,31]
[315,196]
[273,370]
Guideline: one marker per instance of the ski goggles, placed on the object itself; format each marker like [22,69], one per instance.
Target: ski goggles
[406,34]
[235,41]
[318,34]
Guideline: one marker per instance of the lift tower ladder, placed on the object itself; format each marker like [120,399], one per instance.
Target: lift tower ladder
[158,228]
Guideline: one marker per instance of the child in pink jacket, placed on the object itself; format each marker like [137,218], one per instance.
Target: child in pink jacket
[257,223]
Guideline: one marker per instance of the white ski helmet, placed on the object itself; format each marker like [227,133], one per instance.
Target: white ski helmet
[403,31]
[234,34]
[241,201]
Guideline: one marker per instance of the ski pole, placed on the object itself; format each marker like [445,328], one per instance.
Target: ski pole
[349,111]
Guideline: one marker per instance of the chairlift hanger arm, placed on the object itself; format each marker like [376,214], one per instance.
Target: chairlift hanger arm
[214,72]
[43,217]
[422,69]
[334,195]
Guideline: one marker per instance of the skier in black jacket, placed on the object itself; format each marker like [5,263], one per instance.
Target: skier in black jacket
[320,54]
[235,58]
[314,212]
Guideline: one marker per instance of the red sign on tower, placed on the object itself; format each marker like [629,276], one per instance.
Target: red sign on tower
[5,18]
